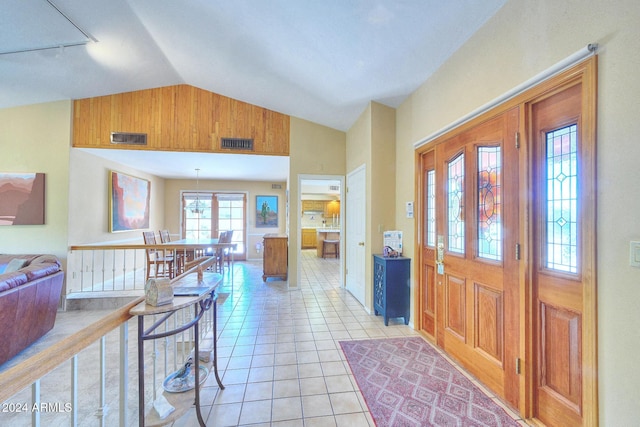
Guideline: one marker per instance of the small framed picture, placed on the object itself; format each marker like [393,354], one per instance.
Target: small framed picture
[267,211]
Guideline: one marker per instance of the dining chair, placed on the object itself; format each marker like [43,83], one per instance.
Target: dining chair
[165,237]
[162,262]
[226,252]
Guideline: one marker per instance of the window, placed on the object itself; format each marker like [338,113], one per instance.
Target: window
[489,203]
[562,199]
[197,219]
[455,206]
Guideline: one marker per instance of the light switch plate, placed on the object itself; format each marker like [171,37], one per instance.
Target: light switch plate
[634,253]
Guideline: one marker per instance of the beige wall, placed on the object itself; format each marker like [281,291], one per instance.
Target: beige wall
[315,150]
[371,141]
[36,138]
[172,208]
[89,200]
[523,39]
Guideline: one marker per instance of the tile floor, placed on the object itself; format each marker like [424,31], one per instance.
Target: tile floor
[278,351]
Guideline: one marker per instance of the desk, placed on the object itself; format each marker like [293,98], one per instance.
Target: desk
[201,304]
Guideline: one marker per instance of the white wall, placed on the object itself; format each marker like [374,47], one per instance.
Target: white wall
[521,40]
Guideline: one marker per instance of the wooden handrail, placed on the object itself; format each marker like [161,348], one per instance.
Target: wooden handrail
[16,378]
[25,373]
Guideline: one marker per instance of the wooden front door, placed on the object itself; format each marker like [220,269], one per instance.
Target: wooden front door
[477,213]
[507,271]
[563,257]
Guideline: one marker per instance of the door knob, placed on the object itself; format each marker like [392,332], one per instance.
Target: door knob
[360,243]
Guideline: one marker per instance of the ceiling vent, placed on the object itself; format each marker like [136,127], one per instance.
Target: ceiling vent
[125,138]
[244,144]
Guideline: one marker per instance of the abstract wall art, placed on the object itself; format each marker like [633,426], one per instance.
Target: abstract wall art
[128,202]
[21,198]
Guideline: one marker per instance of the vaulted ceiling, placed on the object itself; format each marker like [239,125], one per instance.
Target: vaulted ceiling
[322,61]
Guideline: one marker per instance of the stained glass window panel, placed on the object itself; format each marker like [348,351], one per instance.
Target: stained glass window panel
[431,208]
[562,199]
[489,203]
[455,215]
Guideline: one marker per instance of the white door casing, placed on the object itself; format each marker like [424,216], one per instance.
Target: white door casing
[356,233]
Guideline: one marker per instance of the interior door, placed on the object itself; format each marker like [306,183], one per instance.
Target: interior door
[563,259]
[356,233]
[476,175]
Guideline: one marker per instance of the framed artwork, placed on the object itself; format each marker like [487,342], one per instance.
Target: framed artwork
[21,198]
[266,211]
[129,199]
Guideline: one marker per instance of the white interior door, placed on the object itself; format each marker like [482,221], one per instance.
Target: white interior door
[356,233]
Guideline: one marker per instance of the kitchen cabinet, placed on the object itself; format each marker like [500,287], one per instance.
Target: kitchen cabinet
[313,206]
[391,287]
[332,208]
[308,238]
[275,256]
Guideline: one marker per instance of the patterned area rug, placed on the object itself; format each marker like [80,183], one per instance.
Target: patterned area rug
[405,382]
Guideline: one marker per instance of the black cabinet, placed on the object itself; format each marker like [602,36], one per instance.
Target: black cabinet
[391,287]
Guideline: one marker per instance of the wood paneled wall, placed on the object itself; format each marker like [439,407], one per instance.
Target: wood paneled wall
[178,118]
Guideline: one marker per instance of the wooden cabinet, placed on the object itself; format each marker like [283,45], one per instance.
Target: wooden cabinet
[274,256]
[313,206]
[308,238]
[391,287]
[332,208]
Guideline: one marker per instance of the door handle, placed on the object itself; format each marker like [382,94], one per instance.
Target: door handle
[440,255]
[360,243]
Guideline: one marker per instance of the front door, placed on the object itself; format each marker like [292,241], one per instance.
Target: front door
[508,251]
[477,229]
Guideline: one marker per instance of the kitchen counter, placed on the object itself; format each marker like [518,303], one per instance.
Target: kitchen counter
[325,233]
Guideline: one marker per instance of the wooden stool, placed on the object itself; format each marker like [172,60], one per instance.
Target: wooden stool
[336,248]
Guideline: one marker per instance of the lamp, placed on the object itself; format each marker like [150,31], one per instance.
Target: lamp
[197,208]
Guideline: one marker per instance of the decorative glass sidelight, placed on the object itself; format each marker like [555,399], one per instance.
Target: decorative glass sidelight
[431,208]
[489,203]
[562,199]
[455,195]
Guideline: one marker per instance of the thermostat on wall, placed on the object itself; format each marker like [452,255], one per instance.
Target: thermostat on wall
[409,209]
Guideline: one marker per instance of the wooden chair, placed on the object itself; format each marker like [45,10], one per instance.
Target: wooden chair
[165,237]
[162,262]
[222,253]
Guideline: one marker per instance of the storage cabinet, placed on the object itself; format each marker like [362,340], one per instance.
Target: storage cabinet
[309,240]
[313,206]
[391,287]
[274,256]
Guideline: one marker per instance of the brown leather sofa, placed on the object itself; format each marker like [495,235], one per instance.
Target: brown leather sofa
[29,298]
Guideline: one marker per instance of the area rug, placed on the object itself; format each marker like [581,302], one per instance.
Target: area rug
[406,382]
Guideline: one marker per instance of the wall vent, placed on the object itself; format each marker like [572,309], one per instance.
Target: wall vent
[126,138]
[237,143]
[276,186]
[334,188]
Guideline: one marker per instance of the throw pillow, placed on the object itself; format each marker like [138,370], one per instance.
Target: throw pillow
[15,265]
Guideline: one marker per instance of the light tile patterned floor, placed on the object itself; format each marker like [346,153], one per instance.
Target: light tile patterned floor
[279,356]
[279,352]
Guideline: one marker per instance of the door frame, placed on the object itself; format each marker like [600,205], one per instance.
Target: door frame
[349,243]
[304,177]
[584,72]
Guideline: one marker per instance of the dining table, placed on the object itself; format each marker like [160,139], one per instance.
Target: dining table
[189,249]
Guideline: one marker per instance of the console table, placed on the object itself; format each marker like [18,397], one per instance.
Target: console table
[201,304]
[391,287]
